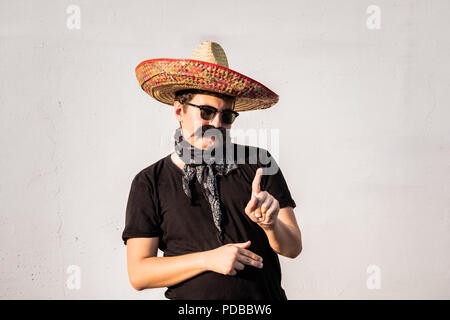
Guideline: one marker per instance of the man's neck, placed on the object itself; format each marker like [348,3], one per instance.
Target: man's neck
[176,159]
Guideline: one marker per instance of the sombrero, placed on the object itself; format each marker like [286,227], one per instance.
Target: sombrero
[206,70]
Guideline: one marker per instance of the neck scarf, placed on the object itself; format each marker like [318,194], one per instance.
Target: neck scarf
[205,166]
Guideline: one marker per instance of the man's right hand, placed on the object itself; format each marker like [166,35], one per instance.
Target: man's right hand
[230,258]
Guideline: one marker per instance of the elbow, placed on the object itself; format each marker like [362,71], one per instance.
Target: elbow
[296,253]
[139,278]
[136,284]
[137,287]
[136,280]
[299,247]
[136,276]
[139,283]
[133,277]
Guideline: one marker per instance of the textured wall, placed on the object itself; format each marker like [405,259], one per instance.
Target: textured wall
[363,122]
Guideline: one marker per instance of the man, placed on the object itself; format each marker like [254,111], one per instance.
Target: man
[219,221]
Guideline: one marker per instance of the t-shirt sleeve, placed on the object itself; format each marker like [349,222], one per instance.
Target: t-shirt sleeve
[273,182]
[142,216]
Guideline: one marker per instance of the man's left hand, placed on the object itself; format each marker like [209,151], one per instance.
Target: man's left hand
[262,208]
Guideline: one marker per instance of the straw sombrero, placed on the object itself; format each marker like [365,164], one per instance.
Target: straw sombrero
[206,70]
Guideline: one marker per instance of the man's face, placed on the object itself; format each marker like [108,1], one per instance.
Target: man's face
[192,122]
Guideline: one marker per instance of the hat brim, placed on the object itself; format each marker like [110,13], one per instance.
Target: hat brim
[161,78]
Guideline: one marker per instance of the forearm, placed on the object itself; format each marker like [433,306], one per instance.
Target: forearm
[284,239]
[155,272]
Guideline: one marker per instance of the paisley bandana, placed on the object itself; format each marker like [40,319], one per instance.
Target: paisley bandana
[205,166]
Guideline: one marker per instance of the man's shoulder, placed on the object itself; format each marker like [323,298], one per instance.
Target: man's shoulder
[152,171]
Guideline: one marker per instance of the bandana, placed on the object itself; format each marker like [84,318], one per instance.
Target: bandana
[205,166]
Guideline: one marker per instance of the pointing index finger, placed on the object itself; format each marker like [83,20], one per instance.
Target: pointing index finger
[256,185]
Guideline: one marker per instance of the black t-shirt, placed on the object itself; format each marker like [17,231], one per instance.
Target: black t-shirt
[158,207]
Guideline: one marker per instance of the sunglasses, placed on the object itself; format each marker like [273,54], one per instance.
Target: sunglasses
[208,113]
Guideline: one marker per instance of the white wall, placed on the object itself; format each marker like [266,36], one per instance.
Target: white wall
[364,137]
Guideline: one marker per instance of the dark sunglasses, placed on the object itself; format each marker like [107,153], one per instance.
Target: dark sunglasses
[208,113]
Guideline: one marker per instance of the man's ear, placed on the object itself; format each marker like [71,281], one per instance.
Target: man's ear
[178,109]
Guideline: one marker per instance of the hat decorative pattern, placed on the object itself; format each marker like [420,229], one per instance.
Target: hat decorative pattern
[161,78]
